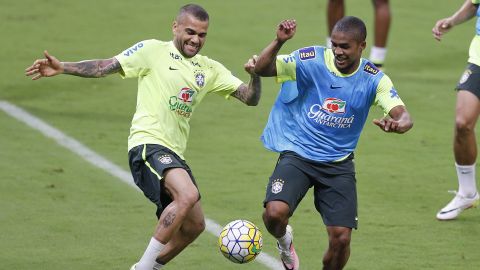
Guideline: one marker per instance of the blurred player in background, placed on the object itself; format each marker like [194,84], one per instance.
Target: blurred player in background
[315,125]
[172,80]
[466,114]
[336,11]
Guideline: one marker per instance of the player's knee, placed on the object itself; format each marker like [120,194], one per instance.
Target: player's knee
[340,241]
[463,126]
[276,212]
[187,200]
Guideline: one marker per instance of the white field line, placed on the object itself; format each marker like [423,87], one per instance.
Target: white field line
[99,161]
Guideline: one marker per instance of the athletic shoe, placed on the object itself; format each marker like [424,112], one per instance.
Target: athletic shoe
[289,257]
[457,205]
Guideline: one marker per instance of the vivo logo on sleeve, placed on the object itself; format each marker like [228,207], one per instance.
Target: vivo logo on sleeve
[133,49]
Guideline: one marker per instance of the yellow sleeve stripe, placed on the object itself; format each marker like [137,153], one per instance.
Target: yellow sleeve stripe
[387,97]
[286,68]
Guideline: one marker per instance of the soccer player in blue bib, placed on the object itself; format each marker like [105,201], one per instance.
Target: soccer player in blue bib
[466,114]
[315,124]
[172,80]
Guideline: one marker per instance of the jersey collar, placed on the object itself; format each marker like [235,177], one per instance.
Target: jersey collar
[330,63]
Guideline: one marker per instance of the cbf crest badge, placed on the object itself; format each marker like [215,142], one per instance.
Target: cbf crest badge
[199,78]
[277,186]
[165,159]
[465,76]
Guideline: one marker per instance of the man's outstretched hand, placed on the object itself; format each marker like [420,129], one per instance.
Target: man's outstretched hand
[46,67]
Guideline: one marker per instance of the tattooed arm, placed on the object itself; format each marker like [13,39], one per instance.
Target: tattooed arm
[51,66]
[249,94]
[92,68]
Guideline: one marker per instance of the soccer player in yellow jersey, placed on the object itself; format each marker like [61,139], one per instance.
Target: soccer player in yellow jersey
[172,80]
[466,114]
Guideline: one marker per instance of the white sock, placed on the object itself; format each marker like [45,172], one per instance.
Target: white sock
[466,180]
[285,241]
[148,260]
[328,43]
[378,54]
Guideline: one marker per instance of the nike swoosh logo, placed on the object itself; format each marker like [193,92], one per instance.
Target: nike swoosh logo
[454,209]
[335,86]
[171,68]
[473,204]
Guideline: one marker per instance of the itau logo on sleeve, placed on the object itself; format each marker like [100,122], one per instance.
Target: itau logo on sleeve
[307,53]
[370,68]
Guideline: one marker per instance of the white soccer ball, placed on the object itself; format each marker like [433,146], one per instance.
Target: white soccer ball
[240,241]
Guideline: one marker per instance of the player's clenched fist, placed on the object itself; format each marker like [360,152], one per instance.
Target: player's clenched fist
[250,65]
[286,30]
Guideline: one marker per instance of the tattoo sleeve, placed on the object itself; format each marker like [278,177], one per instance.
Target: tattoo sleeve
[249,94]
[92,68]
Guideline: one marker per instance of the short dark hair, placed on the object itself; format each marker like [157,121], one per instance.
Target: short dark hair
[197,11]
[353,25]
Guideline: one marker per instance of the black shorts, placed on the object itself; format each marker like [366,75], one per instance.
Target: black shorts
[334,183]
[470,80]
[148,164]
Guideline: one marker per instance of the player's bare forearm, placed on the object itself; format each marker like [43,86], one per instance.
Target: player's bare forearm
[265,65]
[465,13]
[249,94]
[92,68]
[266,62]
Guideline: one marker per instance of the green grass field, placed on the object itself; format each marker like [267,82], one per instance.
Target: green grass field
[59,212]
